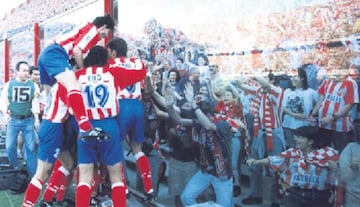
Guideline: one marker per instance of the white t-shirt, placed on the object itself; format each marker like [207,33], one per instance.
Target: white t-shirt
[298,101]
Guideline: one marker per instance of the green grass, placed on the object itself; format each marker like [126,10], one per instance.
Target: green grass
[7,199]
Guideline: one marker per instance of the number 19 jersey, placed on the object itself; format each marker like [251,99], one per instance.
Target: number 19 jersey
[100,85]
[99,92]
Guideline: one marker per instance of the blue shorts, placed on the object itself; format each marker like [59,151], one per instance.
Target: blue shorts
[132,120]
[52,61]
[50,140]
[108,152]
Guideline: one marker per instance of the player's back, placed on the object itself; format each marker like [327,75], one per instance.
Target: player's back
[99,92]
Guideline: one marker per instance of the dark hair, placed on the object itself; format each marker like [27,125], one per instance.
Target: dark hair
[303,77]
[177,74]
[17,67]
[310,132]
[32,68]
[119,45]
[104,20]
[271,76]
[97,56]
[206,59]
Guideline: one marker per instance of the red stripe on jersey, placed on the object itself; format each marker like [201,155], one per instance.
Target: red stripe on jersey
[83,36]
[336,96]
[56,107]
[109,111]
[89,113]
[101,113]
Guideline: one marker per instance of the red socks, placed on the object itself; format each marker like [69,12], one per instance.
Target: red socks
[76,103]
[143,167]
[83,195]
[58,178]
[32,192]
[60,196]
[118,194]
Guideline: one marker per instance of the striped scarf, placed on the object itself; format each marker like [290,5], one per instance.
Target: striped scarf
[319,157]
[268,119]
[228,112]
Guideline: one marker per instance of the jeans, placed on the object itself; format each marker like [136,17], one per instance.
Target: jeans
[26,126]
[200,182]
[235,152]
[259,151]
[179,174]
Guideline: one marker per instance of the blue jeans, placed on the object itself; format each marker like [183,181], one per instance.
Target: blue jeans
[235,152]
[179,174]
[200,182]
[259,151]
[26,126]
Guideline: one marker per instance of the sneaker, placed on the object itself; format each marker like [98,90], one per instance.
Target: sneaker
[150,197]
[45,204]
[94,134]
[236,190]
[252,200]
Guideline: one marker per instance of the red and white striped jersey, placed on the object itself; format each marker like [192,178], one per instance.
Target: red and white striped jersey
[56,109]
[336,96]
[260,104]
[306,171]
[83,36]
[100,86]
[132,91]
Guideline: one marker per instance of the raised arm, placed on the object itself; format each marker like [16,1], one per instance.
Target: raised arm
[173,114]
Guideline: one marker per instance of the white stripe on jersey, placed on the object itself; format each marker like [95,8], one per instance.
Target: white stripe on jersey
[55,109]
[99,93]
[84,33]
[126,63]
[67,34]
[84,43]
[130,92]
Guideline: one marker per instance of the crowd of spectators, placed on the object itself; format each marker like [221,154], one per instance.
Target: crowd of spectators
[277,38]
[283,42]
[26,14]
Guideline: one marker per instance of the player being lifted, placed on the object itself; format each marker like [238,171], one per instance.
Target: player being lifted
[55,68]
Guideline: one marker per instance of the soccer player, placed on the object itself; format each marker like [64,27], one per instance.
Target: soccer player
[100,86]
[131,119]
[54,64]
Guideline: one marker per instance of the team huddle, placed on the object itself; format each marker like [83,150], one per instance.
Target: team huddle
[83,109]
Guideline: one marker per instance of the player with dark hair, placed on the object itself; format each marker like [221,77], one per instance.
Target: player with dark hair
[131,119]
[55,67]
[54,64]
[99,87]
